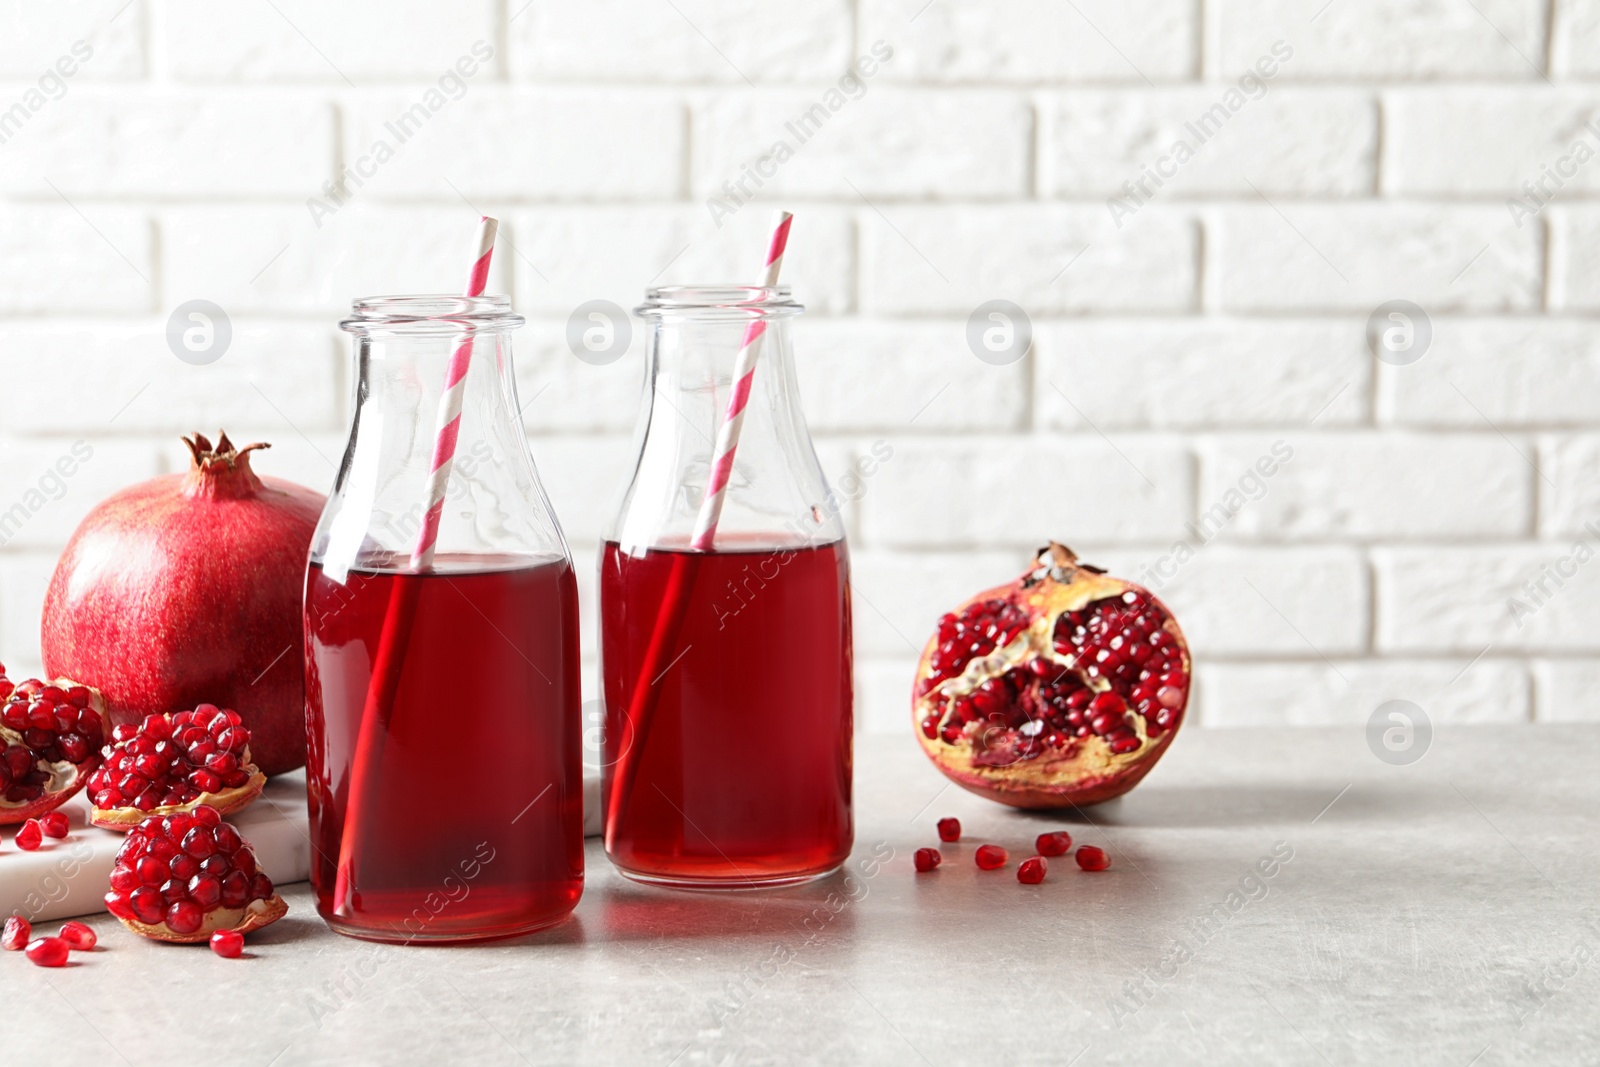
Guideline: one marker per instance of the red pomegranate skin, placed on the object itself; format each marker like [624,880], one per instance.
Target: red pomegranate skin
[186,589]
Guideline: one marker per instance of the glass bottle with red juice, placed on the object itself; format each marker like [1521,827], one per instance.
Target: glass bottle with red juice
[444,776]
[727,669]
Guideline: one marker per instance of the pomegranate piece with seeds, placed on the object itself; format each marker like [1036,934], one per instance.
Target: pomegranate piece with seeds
[1032,870]
[185,876]
[48,952]
[17,932]
[80,937]
[990,857]
[949,829]
[1053,844]
[50,738]
[1057,690]
[926,859]
[173,763]
[1092,859]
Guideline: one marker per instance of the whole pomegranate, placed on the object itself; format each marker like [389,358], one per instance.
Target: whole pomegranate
[186,589]
[1060,689]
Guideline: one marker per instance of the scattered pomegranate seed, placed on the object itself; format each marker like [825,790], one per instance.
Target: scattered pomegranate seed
[227,944]
[78,936]
[949,829]
[1092,859]
[1056,844]
[1032,870]
[48,952]
[926,859]
[16,935]
[990,857]
[54,824]
[30,836]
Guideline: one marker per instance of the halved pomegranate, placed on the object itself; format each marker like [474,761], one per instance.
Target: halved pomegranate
[173,763]
[50,738]
[183,877]
[1060,689]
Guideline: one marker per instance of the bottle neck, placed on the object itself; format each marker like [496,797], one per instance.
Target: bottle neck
[776,495]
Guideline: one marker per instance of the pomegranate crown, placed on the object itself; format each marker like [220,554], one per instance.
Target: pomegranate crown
[1058,563]
[223,470]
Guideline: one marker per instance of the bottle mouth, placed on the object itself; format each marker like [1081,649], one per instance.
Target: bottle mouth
[719,301]
[431,313]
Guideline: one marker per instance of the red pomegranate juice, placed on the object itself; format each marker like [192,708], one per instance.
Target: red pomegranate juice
[740,762]
[474,826]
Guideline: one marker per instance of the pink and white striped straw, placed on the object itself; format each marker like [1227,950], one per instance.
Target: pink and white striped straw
[448,427]
[744,369]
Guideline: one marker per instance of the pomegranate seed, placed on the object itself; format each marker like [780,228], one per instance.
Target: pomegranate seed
[16,935]
[79,936]
[147,905]
[48,952]
[117,904]
[949,829]
[30,836]
[1091,858]
[227,944]
[54,824]
[184,917]
[1058,843]
[990,857]
[1032,870]
[926,859]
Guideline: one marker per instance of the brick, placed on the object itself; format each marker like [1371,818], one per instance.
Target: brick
[1395,40]
[278,259]
[900,376]
[882,142]
[686,41]
[1273,601]
[988,492]
[1029,41]
[140,385]
[899,596]
[569,255]
[304,41]
[1460,599]
[1464,141]
[37,35]
[1362,486]
[1047,259]
[1569,496]
[1500,372]
[584,477]
[1347,692]
[24,578]
[1304,257]
[1193,373]
[1567,690]
[99,142]
[1294,142]
[561,393]
[489,142]
[1576,39]
[56,481]
[52,259]
[1574,258]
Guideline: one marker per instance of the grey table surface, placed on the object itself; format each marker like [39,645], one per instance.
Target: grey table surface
[1437,913]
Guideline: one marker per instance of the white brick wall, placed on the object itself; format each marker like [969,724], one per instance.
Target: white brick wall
[1354,153]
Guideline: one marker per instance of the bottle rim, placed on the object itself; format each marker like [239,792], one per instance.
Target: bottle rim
[731,301]
[431,313]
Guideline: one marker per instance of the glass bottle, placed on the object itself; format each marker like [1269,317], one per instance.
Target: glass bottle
[728,671]
[442,704]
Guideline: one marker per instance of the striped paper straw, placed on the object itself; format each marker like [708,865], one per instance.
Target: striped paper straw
[448,427]
[744,369]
